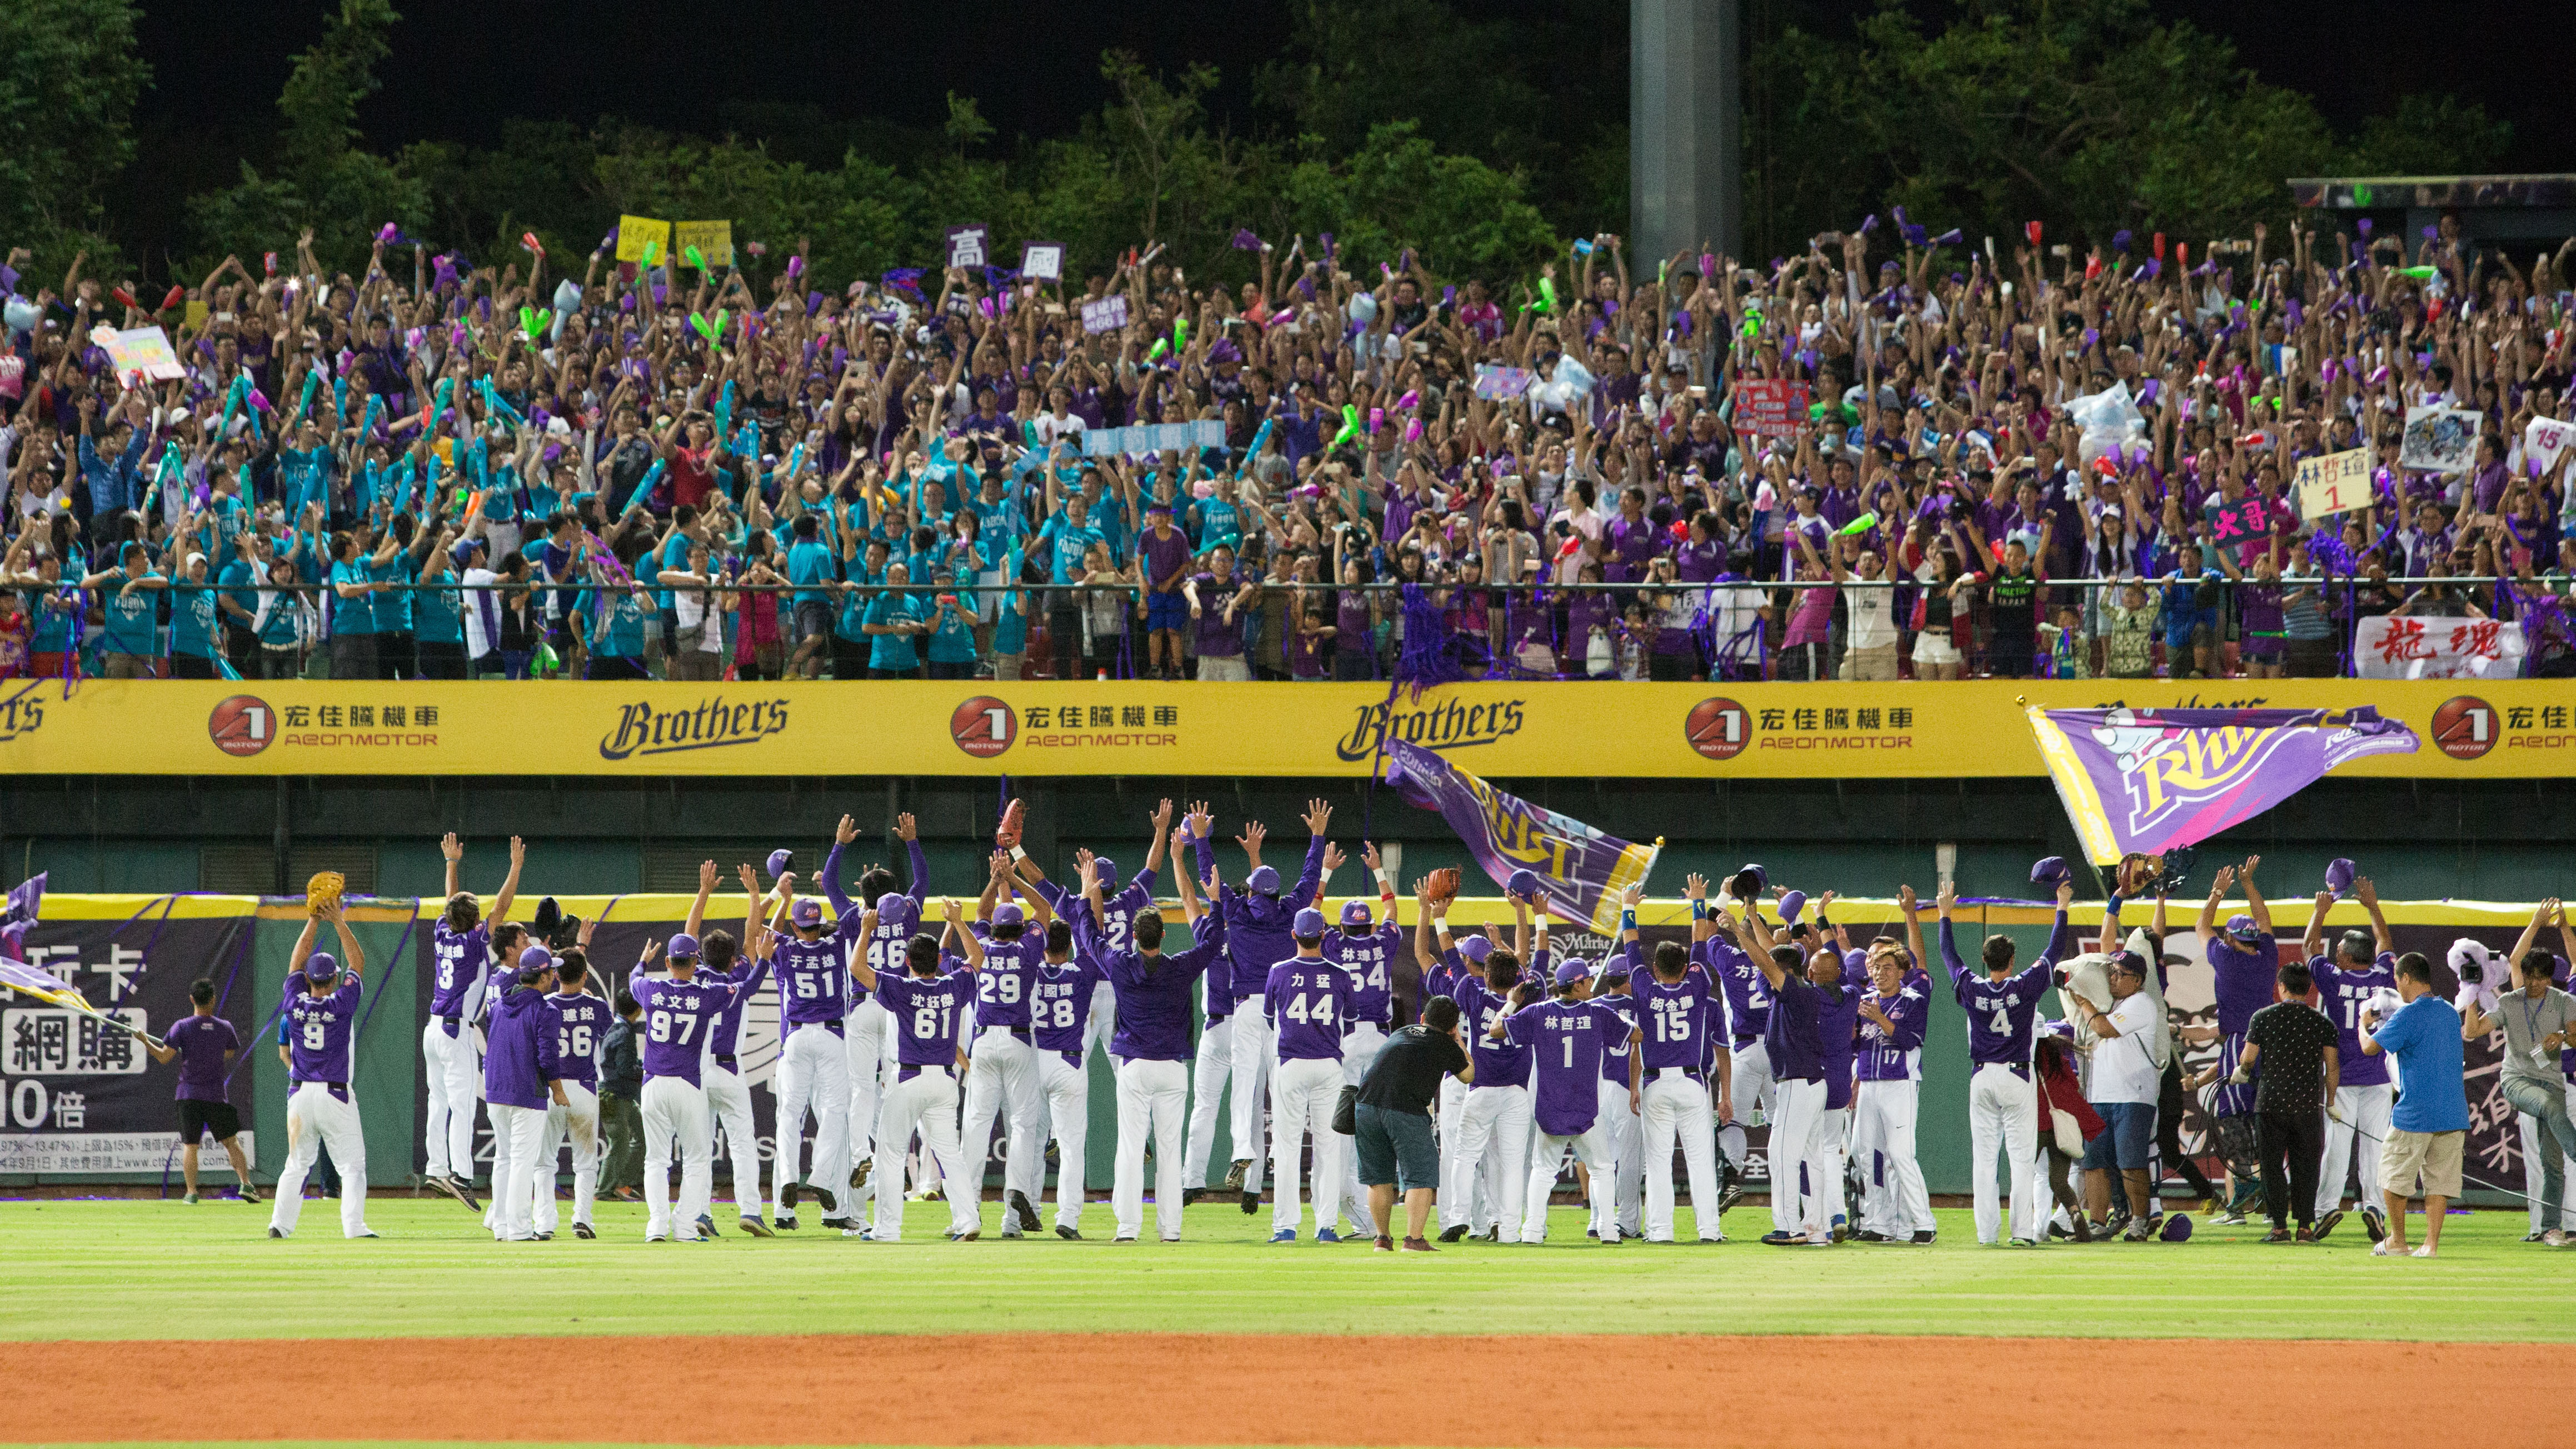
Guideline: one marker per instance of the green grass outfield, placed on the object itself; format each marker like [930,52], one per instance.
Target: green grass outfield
[143,1269]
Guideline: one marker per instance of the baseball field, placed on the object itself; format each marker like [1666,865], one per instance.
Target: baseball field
[135,1321]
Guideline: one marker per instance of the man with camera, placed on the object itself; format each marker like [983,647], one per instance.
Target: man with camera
[1391,1121]
[2537,1020]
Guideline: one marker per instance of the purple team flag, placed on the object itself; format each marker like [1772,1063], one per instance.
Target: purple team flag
[18,915]
[2146,780]
[1580,870]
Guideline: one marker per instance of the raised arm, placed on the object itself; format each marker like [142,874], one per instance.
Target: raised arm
[2207,926]
[510,883]
[2254,898]
[454,849]
[698,907]
[842,835]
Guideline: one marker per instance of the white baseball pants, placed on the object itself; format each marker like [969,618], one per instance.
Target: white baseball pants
[454,1077]
[729,1102]
[1753,1098]
[1456,1174]
[1674,1108]
[1068,1105]
[1496,1121]
[576,1121]
[1883,1116]
[1151,1097]
[675,1114]
[1592,1149]
[925,1102]
[814,1073]
[1801,1110]
[1360,1046]
[1002,1080]
[318,1116]
[2366,1108]
[1624,1132]
[1302,1096]
[517,1134]
[869,1037]
[1253,1046]
[1208,1078]
[2003,1115]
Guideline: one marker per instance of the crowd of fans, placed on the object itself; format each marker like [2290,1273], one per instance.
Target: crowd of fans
[2032,466]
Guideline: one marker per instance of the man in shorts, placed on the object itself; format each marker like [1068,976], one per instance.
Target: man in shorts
[205,1045]
[1165,552]
[2430,1124]
[1393,1116]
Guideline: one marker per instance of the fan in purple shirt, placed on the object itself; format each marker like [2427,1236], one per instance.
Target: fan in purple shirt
[204,1045]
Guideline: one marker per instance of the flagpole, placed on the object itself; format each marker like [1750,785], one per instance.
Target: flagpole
[91,1012]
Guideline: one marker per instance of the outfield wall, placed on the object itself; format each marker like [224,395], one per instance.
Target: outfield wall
[137,954]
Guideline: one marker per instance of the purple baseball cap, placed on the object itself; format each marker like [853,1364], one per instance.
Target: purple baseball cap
[1007,914]
[1355,915]
[1522,883]
[1309,925]
[2339,874]
[1791,904]
[1106,870]
[538,958]
[1574,969]
[1263,879]
[807,912]
[2177,1228]
[894,906]
[2242,928]
[686,945]
[1476,949]
[321,966]
[779,860]
[1749,883]
[2050,872]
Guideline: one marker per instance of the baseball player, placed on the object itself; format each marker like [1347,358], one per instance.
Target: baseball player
[522,1079]
[1754,1090]
[1002,1077]
[581,1023]
[1367,949]
[2244,965]
[1615,988]
[1497,1114]
[1152,1043]
[1257,937]
[1893,1016]
[1804,991]
[925,1004]
[462,946]
[2363,965]
[1675,1007]
[321,1058]
[1059,1010]
[1213,1068]
[1108,931]
[728,1095]
[1567,1037]
[678,1010]
[814,1066]
[2003,1105]
[1440,972]
[1305,1009]
[866,1029]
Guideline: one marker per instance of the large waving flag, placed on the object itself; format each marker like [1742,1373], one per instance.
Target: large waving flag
[17,917]
[2148,780]
[1581,871]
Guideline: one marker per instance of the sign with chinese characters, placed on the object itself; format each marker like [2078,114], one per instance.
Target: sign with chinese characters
[1154,438]
[713,239]
[83,1096]
[969,246]
[2244,525]
[1105,314]
[1770,407]
[1042,261]
[2334,483]
[635,233]
[2397,646]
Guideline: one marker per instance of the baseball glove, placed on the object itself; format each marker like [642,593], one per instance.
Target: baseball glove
[1013,817]
[323,892]
[1444,884]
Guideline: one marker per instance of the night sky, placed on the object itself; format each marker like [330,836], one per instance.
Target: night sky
[460,67]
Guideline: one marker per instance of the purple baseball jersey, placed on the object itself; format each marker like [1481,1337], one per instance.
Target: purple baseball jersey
[1010,969]
[1498,1064]
[1673,1017]
[1837,1023]
[581,1020]
[677,1017]
[1794,1038]
[727,1029]
[926,1012]
[1110,932]
[1566,1041]
[2244,978]
[201,1042]
[886,945]
[520,1050]
[2341,991]
[1060,1003]
[1748,996]
[320,1030]
[1999,1012]
[1153,994]
[462,957]
[812,976]
[1308,1004]
[1897,1058]
[1614,1062]
[1371,960]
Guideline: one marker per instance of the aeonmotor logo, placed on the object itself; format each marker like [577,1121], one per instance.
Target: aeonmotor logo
[242,725]
[2465,727]
[1719,728]
[983,726]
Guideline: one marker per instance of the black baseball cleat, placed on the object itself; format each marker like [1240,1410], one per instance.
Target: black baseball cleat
[755,1227]
[1190,1195]
[788,1193]
[1070,1235]
[1925,1236]
[2375,1223]
[1251,1202]
[1865,1235]
[830,1201]
[545,1237]
[844,1224]
[2326,1224]
[276,1232]
[787,1222]
[1017,1202]
[583,1230]
[1783,1238]
[1234,1175]
[1453,1232]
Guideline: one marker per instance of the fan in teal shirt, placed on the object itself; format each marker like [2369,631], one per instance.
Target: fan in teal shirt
[133,613]
[352,615]
[192,615]
[808,563]
[952,641]
[900,615]
[1069,536]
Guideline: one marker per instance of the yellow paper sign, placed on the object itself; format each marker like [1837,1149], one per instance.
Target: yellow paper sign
[197,313]
[634,231]
[2335,483]
[713,239]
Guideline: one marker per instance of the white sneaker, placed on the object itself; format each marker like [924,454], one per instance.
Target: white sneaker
[2381,1249]
[2425,1251]
[2554,1238]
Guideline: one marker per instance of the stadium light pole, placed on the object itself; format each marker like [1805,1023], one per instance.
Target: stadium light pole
[1685,126]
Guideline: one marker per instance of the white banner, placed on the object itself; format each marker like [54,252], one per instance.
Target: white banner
[111,1152]
[2404,647]
[54,1041]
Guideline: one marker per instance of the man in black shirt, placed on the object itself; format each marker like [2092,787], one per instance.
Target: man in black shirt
[2296,1043]
[1393,1120]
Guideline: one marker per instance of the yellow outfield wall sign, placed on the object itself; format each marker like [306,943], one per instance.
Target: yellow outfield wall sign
[2468,728]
